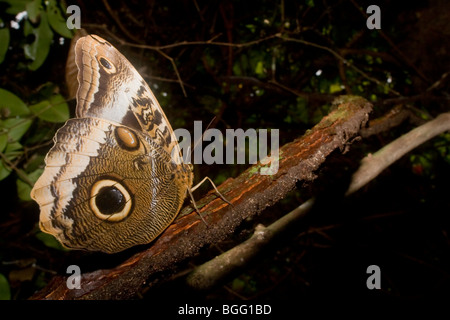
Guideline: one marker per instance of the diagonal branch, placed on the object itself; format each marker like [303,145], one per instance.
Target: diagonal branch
[215,271]
[250,193]
[373,164]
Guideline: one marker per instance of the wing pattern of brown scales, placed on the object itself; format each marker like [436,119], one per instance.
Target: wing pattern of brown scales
[111,180]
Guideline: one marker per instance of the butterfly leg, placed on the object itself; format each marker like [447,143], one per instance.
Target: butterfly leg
[214,186]
[190,190]
[195,205]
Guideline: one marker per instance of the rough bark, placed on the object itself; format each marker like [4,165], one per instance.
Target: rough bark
[249,193]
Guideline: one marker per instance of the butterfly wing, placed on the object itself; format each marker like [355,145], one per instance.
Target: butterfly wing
[131,103]
[111,181]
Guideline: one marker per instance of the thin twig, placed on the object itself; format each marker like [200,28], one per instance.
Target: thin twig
[211,42]
[118,22]
[175,70]
[22,175]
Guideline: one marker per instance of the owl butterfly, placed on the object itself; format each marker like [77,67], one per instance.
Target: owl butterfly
[114,177]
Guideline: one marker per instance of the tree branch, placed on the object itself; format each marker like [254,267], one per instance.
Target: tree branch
[373,164]
[216,270]
[250,193]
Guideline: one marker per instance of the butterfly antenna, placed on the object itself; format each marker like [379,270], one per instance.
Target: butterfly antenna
[201,138]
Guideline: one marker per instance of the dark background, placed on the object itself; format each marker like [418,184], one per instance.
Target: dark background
[400,221]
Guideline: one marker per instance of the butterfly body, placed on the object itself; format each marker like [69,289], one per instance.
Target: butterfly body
[114,177]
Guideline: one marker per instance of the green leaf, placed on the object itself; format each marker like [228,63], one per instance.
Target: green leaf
[15,6]
[237,69]
[54,110]
[251,27]
[33,10]
[4,41]
[11,150]
[5,290]
[41,108]
[43,134]
[335,87]
[38,50]
[50,241]
[3,141]
[17,127]
[13,103]
[60,108]
[57,20]
[259,70]
[238,285]
[40,281]
[34,162]
[4,170]
[24,188]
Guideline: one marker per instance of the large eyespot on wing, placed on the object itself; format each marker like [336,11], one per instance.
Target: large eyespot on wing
[110,200]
